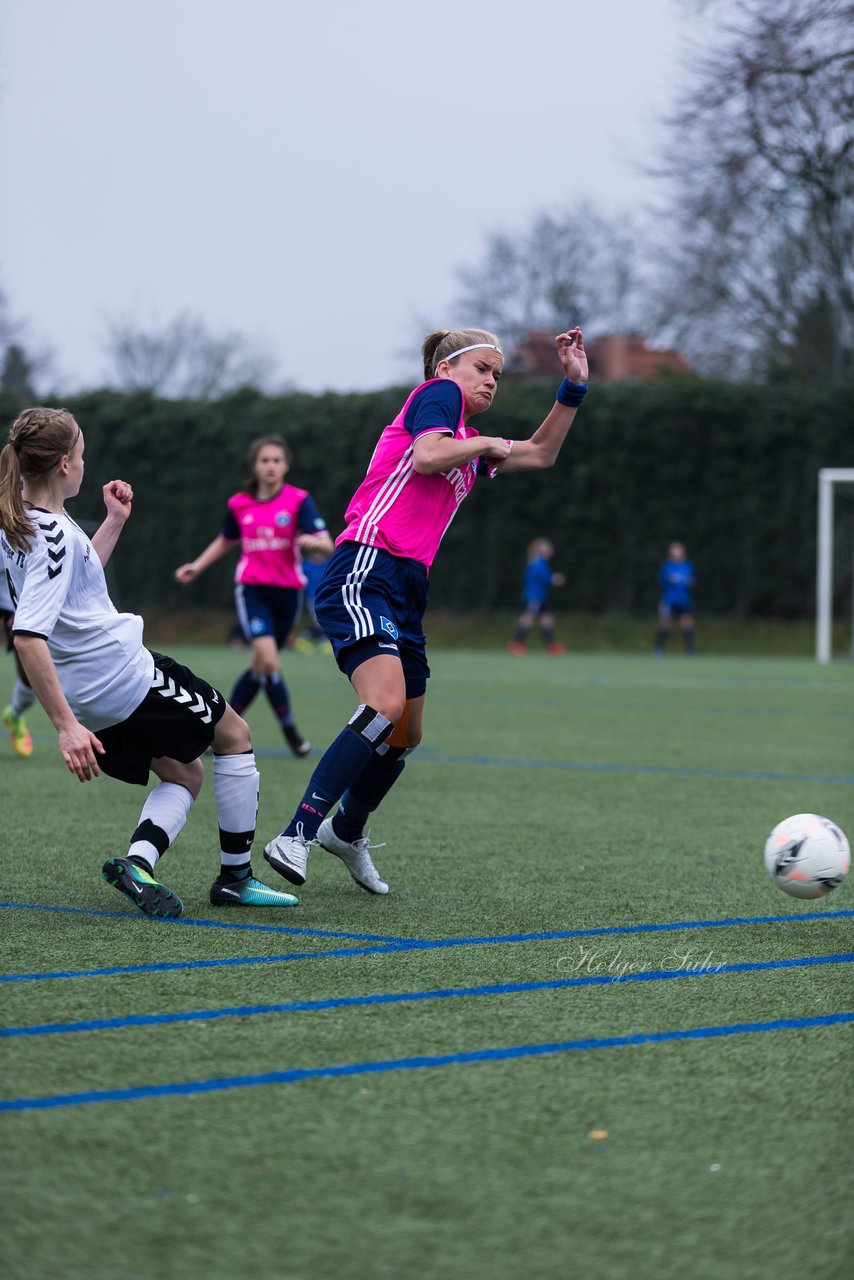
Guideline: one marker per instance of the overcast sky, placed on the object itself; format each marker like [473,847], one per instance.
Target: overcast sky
[313,175]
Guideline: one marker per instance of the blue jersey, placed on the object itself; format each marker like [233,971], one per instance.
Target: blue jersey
[677,579]
[538,579]
[313,573]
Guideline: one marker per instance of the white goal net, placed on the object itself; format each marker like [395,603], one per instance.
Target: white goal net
[834,631]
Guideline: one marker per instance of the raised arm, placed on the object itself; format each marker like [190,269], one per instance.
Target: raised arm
[118,497]
[542,449]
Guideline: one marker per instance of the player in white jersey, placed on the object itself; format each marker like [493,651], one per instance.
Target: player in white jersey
[117,708]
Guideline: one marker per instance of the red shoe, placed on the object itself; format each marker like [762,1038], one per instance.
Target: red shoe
[518,650]
[555,650]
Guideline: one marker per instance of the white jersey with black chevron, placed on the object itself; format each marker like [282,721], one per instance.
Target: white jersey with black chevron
[59,593]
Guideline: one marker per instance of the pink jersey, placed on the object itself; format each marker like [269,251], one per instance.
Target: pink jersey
[400,511]
[268,530]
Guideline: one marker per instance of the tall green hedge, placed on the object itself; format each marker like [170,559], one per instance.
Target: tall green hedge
[730,469]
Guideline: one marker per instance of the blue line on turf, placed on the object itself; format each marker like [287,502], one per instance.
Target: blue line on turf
[418,944]
[405,997]
[186,1088]
[425,944]
[621,707]
[207,924]
[430,755]
[660,770]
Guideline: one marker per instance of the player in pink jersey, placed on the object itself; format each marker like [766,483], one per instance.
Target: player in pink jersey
[373,594]
[274,523]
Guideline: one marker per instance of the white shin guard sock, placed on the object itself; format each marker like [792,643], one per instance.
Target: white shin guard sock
[161,821]
[236,783]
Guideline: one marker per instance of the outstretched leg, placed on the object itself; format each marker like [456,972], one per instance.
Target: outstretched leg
[381,689]
[162,818]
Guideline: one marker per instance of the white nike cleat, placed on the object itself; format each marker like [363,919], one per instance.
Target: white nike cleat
[289,855]
[355,857]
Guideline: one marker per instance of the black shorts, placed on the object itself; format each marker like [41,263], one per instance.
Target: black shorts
[176,718]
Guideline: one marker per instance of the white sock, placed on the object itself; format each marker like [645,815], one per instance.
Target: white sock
[236,785]
[161,821]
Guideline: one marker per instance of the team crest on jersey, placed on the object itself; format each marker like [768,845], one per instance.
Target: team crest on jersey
[283,518]
[388,626]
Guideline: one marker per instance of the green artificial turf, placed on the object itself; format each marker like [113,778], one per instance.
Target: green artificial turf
[550,797]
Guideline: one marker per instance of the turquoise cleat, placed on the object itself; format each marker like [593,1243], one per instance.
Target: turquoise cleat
[249,893]
[143,890]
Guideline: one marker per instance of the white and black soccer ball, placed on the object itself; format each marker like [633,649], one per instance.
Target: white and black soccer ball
[807,855]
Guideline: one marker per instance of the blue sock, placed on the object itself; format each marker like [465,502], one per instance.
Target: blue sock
[277,696]
[245,691]
[367,792]
[339,765]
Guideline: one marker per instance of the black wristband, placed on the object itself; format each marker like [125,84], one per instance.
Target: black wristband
[571,393]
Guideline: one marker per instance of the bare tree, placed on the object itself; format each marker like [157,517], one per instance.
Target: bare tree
[578,266]
[23,366]
[183,358]
[761,210]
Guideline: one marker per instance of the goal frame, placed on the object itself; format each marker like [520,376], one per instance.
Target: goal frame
[828,477]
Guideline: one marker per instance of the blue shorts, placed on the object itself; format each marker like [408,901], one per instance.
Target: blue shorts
[368,603]
[668,609]
[536,607]
[267,611]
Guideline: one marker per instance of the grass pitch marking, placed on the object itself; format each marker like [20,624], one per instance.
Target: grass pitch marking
[420,944]
[297,1075]
[406,997]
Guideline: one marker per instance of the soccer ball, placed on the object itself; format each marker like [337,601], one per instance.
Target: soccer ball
[807,856]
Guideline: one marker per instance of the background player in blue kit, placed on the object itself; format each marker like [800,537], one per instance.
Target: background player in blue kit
[117,708]
[312,639]
[539,578]
[677,580]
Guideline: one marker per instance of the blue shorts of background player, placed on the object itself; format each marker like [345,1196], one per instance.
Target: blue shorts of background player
[267,611]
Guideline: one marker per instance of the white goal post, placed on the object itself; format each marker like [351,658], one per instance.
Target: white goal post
[829,478]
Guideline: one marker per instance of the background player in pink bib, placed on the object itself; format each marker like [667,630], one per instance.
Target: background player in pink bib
[274,523]
[373,594]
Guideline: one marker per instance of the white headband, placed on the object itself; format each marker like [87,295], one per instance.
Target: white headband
[474,347]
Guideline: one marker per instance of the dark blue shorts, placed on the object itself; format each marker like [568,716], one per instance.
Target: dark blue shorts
[369,602]
[668,610]
[267,611]
[536,607]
